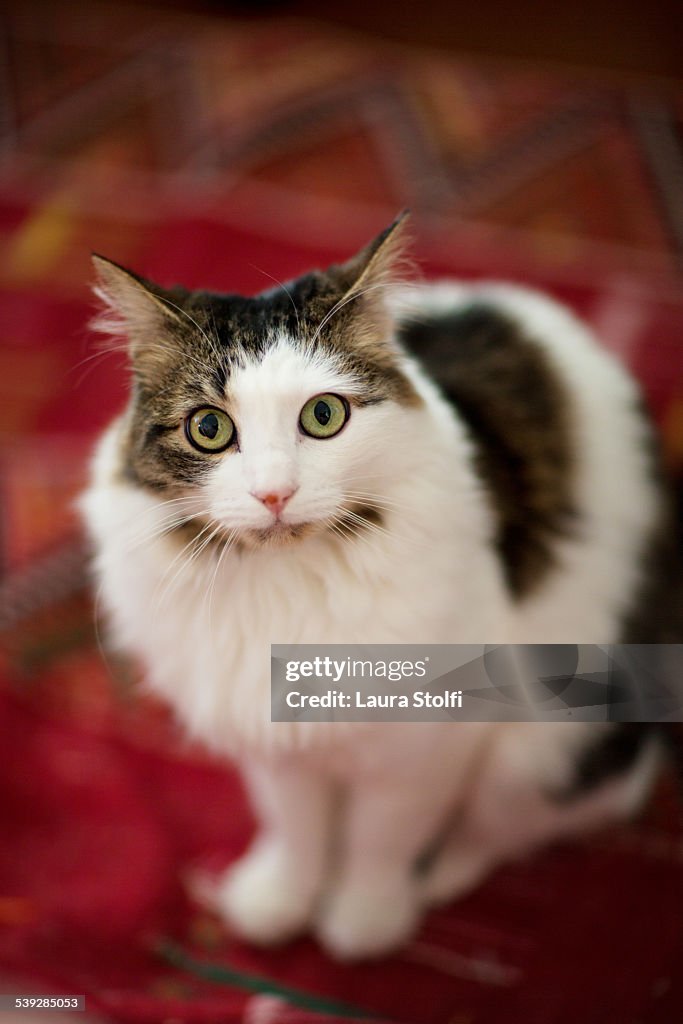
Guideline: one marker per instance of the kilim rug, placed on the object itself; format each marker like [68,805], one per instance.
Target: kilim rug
[226,154]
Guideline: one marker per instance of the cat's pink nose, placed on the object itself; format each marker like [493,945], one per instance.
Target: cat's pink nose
[275,501]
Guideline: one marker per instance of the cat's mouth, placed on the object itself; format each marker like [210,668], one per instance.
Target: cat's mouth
[347,522]
[278,534]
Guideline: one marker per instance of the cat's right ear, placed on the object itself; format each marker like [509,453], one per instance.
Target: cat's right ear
[131,301]
[133,309]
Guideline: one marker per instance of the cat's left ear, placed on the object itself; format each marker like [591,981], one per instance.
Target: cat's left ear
[360,288]
[362,281]
[360,285]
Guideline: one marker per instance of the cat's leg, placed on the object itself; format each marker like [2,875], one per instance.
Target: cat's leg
[269,895]
[374,902]
[526,795]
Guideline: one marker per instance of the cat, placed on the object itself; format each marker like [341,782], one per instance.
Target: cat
[354,458]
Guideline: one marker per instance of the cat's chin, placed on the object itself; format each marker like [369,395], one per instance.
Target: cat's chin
[279,535]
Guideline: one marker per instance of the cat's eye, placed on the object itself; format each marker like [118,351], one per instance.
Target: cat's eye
[323,416]
[210,430]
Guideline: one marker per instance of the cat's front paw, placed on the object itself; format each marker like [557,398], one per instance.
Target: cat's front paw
[363,920]
[456,873]
[262,899]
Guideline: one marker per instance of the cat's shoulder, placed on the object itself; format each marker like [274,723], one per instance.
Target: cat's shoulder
[483,318]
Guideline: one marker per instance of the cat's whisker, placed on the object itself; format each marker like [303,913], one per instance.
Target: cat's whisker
[361,504]
[160,529]
[344,301]
[376,501]
[284,288]
[157,602]
[227,544]
[218,351]
[145,539]
[402,513]
[205,543]
[346,529]
[213,343]
[192,320]
[153,510]
[342,526]
[335,529]
[99,593]
[180,510]
[96,622]
[349,526]
[90,362]
[381,503]
[175,506]
[366,523]
[369,527]
[376,480]
[371,477]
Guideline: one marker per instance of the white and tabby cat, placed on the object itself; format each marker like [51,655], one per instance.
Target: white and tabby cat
[354,460]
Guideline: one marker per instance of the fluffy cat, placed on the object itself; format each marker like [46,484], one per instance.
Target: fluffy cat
[352,459]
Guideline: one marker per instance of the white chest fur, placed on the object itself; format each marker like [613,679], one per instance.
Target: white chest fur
[203,627]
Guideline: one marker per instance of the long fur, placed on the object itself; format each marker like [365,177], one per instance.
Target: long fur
[200,607]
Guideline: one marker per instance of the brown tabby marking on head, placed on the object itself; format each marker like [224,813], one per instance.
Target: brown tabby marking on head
[513,403]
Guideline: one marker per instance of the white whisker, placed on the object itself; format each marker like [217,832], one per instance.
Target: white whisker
[377,501]
[184,565]
[166,525]
[344,301]
[285,289]
[192,320]
[227,544]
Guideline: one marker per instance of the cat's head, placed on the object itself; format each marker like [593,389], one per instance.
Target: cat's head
[272,416]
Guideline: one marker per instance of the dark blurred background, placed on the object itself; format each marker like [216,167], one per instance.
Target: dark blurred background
[620,36]
[628,36]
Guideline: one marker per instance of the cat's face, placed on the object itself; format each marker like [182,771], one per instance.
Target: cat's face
[266,418]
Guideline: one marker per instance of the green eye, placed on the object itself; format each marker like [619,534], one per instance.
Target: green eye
[210,430]
[324,416]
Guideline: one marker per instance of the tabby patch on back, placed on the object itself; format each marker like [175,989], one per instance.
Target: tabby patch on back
[506,390]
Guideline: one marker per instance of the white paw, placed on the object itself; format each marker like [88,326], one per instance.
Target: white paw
[453,876]
[362,920]
[263,900]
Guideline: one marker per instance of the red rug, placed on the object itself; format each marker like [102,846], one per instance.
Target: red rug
[220,153]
